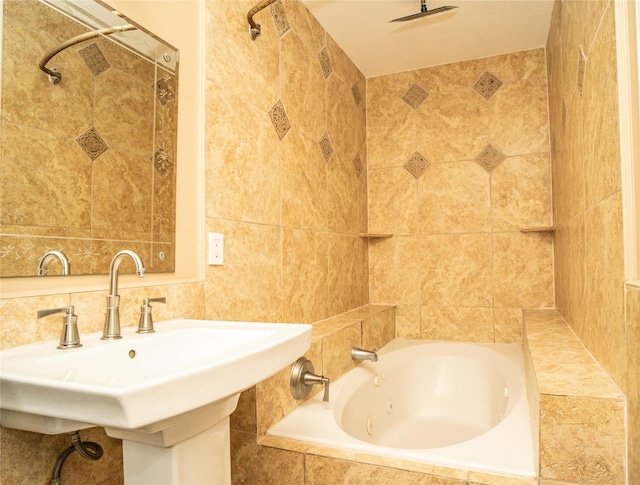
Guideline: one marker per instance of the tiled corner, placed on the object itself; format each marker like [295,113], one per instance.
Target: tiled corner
[357,96]
[393,203]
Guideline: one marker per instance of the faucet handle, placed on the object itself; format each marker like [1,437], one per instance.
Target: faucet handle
[145,325]
[69,337]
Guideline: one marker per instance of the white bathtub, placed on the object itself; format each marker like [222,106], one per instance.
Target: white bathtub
[451,404]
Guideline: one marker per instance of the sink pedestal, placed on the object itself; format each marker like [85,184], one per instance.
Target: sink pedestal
[190,449]
[202,459]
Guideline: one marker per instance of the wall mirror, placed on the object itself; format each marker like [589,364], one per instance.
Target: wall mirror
[87,161]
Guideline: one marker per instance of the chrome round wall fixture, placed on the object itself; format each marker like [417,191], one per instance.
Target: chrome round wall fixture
[302,380]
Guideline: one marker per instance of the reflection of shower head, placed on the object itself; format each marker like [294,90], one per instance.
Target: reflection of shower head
[55,76]
[423,12]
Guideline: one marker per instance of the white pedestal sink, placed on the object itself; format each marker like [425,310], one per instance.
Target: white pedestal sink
[167,395]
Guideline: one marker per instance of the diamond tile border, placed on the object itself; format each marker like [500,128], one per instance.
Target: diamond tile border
[280,18]
[92,144]
[490,158]
[165,89]
[582,64]
[357,97]
[94,58]
[357,165]
[325,62]
[417,164]
[280,119]
[487,85]
[326,147]
[415,96]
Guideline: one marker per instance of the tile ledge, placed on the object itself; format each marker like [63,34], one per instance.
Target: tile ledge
[558,370]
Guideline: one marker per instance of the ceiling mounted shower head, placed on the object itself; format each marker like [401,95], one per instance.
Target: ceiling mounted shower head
[423,12]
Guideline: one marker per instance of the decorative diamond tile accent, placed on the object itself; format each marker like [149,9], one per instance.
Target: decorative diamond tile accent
[93,56]
[280,18]
[357,164]
[326,147]
[487,85]
[490,158]
[582,64]
[356,94]
[416,165]
[165,89]
[280,119]
[325,62]
[92,144]
[415,96]
[161,161]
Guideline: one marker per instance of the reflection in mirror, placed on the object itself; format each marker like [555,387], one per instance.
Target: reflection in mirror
[88,165]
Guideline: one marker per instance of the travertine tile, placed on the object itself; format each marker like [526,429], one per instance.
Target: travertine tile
[242,65]
[462,324]
[251,463]
[343,117]
[520,193]
[455,270]
[244,416]
[582,440]
[479,478]
[519,119]
[322,470]
[393,201]
[458,120]
[251,275]
[523,270]
[342,196]
[304,274]
[604,332]
[304,180]
[408,321]
[507,325]
[563,365]
[378,329]
[633,383]
[336,350]
[302,87]
[391,123]
[394,275]
[348,273]
[240,160]
[600,115]
[454,198]
[451,77]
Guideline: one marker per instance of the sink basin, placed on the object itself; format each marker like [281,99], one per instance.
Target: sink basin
[142,380]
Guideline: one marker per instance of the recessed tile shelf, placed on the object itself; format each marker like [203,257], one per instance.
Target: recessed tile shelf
[374,235]
[539,229]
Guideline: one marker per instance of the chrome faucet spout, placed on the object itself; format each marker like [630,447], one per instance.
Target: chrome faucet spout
[361,354]
[111,329]
[43,265]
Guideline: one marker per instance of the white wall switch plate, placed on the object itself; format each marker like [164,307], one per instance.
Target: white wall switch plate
[216,249]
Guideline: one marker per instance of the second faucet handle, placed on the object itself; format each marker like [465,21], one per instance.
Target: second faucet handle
[146,319]
[69,337]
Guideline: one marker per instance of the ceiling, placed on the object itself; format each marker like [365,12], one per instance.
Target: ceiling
[476,29]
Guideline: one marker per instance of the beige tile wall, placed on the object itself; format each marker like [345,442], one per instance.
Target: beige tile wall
[458,266]
[589,273]
[291,217]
